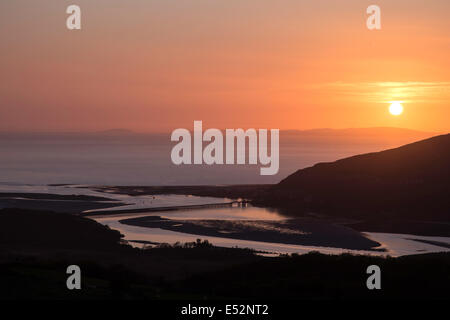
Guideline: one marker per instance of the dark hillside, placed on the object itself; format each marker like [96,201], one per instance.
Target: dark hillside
[407,182]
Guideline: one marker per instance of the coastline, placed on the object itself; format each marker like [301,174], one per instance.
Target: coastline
[91,206]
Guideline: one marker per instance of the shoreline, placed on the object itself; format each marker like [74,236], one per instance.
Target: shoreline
[77,204]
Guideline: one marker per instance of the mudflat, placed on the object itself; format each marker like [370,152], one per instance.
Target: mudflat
[300,231]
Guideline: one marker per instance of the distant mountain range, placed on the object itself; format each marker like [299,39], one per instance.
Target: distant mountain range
[362,133]
[411,182]
[367,138]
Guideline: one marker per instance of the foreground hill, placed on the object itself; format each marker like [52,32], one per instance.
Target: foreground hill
[406,182]
[37,246]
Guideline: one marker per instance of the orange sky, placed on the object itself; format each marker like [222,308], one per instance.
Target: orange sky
[159,65]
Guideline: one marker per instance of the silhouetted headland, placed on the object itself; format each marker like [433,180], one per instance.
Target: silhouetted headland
[409,182]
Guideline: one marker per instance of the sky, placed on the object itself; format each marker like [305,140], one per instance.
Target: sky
[149,65]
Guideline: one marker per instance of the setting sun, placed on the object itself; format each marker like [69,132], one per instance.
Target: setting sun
[396,108]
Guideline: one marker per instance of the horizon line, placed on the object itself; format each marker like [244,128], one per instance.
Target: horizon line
[131,131]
